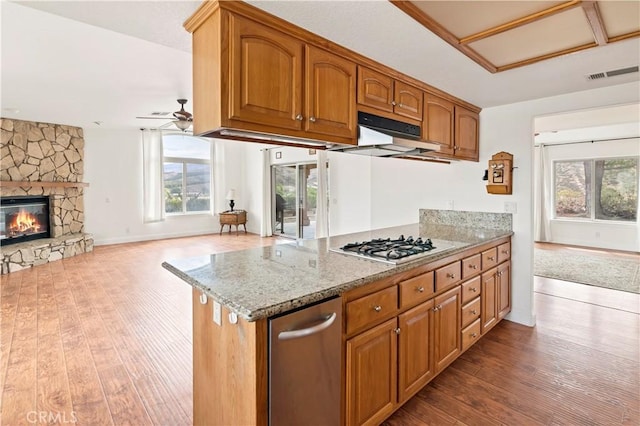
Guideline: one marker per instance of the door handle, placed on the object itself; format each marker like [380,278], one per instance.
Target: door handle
[302,332]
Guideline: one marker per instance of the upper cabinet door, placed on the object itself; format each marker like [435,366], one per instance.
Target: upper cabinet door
[330,94]
[407,101]
[265,75]
[467,133]
[438,122]
[375,89]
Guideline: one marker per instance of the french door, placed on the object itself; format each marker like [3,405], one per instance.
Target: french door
[294,190]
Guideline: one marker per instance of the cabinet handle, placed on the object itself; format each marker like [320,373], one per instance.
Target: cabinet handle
[505,251]
[299,117]
[393,103]
[452,276]
[397,330]
[474,335]
[203,298]
[377,308]
[312,119]
[499,273]
[455,147]
[491,258]
[473,266]
[474,312]
[437,308]
[473,289]
[420,289]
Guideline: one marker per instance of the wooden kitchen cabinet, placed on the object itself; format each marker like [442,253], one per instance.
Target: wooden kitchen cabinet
[467,133]
[504,289]
[489,298]
[379,91]
[265,75]
[330,94]
[371,374]
[438,123]
[446,324]
[415,350]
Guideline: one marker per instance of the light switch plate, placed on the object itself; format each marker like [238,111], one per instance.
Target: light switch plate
[217,314]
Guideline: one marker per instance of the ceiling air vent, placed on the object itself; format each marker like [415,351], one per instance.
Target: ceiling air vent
[612,73]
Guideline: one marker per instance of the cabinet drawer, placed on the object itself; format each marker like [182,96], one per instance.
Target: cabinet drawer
[416,290]
[471,266]
[471,289]
[489,258]
[471,312]
[448,276]
[470,334]
[372,309]
[504,252]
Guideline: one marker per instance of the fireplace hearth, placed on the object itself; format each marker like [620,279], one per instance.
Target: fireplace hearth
[23,219]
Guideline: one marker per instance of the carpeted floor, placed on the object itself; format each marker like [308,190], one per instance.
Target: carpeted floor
[618,274]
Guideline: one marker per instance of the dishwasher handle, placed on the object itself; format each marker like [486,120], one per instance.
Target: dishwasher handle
[295,334]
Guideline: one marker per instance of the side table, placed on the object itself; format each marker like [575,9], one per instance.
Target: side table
[235,217]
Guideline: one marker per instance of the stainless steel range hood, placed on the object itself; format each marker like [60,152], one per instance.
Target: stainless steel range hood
[384,137]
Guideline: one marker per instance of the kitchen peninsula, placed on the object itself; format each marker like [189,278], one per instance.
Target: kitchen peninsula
[428,310]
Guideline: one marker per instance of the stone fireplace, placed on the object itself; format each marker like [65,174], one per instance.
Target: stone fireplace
[44,160]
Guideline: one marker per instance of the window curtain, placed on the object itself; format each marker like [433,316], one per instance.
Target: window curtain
[542,191]
[322,203]
[153,187]
[266,225]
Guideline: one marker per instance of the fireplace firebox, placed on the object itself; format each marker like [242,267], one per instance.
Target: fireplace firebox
[23,219]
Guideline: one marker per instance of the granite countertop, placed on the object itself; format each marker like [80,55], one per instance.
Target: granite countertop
[262,282]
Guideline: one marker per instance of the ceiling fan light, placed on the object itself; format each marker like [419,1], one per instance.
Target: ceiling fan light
[182,124]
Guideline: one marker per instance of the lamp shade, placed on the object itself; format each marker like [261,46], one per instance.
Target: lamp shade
[231,195]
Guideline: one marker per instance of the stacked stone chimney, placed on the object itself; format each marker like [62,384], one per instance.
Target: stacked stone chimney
[47,160]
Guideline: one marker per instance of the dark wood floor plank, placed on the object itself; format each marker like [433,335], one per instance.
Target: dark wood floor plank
[492,401]
[463,413]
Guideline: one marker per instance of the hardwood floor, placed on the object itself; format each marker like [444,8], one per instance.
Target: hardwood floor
[105,338]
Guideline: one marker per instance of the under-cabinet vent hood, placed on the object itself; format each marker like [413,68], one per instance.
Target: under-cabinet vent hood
[384,137]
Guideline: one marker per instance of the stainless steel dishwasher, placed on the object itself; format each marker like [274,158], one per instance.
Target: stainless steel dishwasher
[305,366]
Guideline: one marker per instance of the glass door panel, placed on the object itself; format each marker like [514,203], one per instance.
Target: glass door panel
[294,192]
[285,193]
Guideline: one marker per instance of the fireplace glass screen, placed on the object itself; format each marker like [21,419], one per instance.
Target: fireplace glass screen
[23,219]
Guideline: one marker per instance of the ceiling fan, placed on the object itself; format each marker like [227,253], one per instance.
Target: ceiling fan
[183,119]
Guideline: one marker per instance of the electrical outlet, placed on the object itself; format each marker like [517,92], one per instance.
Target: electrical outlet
[510,207]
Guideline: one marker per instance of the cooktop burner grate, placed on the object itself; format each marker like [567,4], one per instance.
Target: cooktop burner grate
[388,249]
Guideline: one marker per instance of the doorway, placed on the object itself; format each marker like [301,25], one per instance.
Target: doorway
[294,197]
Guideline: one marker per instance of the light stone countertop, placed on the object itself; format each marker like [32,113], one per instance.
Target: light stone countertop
[262,282]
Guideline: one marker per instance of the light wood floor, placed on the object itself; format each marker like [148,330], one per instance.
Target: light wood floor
[105,338]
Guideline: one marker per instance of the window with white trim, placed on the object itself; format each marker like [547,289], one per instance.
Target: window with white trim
[597,189]
[186,171]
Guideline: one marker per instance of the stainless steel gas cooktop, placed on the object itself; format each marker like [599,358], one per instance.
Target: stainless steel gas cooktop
[394,251]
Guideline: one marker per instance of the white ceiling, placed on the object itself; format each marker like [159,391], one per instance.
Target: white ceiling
[86,61]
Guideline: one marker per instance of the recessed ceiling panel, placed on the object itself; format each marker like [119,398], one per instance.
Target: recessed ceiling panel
[620,17]
[464,18]
[555,33]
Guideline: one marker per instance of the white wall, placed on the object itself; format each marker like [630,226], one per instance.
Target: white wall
[113,201]
[610,235]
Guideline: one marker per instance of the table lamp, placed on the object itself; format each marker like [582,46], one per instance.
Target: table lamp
[231,195]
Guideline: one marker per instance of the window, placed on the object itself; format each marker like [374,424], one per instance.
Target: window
[599,189]
[186,174]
